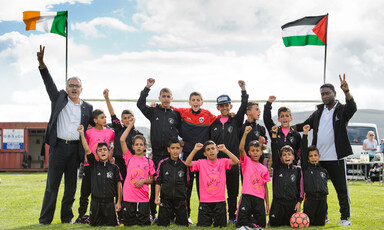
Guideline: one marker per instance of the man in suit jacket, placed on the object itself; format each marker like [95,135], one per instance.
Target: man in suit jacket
[68,111]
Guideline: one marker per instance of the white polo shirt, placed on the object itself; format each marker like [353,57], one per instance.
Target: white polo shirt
[68,121]
[326,136]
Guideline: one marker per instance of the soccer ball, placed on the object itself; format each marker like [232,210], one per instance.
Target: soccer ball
[299,220]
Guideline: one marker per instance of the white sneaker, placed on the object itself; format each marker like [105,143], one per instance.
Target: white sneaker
[346,222]
[190,221]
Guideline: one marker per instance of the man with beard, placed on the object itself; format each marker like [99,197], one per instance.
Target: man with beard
[66,151]
[329,123]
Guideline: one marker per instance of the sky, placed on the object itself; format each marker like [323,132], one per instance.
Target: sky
[187,45]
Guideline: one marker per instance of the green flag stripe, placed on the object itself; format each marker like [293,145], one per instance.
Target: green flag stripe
[59,23]
[302,41]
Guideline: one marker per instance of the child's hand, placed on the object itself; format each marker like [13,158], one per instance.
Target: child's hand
[247,129]
[117,206]
[298,207]
[271,99]
[343,84]
[106,93]
[306,129]
[198,146]
[232,114]
[242,84]
[157,200]
[40,54]
[150,82]
[275,128]
[267,210]
[80,129]
[153,105]
[139,183]
[261,140]
[221,147]
[132,121]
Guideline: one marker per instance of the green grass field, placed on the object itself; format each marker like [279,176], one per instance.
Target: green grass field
[21,196]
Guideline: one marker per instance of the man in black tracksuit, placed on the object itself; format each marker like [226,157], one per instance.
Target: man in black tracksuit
[172,177]
[286,183]
[329,123]
[228,134]
[292,139]
[165,123]
[315,182]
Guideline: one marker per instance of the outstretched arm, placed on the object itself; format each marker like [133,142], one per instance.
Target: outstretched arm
[197,147]
[350,107]
[267,116]
[243,106]
[234,159]
[87,150]
[141,103]
[124,136]
[304,147]
[109,105]
[242,142]
[40,57]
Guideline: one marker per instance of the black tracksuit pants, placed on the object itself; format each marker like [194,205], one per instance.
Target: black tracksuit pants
[135,214]
[281,212]
[212,212]
[85,191]
[102,212]
[316,208]
[337,174]
[232,190]
[156,159]
[192,176]
[168,209]
[251,212]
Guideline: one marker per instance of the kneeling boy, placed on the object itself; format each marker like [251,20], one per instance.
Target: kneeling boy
[172,178]
[212,178]
[105,184]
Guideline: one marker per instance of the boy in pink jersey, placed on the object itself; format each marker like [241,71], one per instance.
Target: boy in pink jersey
[93,136]
[251,211]
[212,178]
[140,170]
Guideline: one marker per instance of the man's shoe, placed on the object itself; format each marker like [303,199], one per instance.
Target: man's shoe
[346,222]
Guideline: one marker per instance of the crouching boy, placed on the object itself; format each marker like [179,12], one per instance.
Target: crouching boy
[172,179]
[212,179]
[105,184]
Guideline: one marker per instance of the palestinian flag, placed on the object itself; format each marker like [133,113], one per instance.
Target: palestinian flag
[310,30]
[55,22]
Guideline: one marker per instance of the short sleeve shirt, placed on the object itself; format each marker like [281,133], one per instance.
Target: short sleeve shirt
[94,137]
[212,177]
[255,175]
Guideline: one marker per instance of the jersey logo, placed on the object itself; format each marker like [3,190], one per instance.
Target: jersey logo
[167,173]
[180,173]
[257,133]
[293,177]
[291,139]
[230,129]
[99,174]
[157,118]
[243,208]
[214,129]
[171,121]
[109,175]
[201,119]
[323,175]
[337,118]
[281,175]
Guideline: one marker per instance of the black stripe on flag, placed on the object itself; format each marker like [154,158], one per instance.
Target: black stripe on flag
[309,20]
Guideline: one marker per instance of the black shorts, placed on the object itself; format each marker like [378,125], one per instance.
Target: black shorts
[168,209]
[316,209]
[212,212]
[102,212]
[251,212]
[135,214]
[280,213]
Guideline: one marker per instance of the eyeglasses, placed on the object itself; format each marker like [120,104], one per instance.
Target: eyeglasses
[74,86]
[371,135]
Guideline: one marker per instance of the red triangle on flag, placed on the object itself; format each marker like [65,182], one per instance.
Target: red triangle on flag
[321,29]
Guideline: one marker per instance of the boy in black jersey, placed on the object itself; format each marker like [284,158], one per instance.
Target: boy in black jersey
[172,179]
[315,182]
[105,185]
[286,183]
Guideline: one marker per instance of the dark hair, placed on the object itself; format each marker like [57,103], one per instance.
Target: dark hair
[96,113]
[328,85]
[165,90]
[283,109]
[140,137]
[257,144]
[195,93]
[127,111]
[210,142]
[101,144]
[286,148]
[313,148]
[173,140]
[250,104]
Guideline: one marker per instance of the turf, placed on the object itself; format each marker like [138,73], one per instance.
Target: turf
[22,194]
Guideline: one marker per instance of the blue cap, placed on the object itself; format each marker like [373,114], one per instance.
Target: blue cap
[222,99]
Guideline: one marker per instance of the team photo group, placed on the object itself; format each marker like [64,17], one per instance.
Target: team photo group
[221,155]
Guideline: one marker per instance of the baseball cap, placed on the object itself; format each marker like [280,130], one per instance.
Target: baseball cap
[222,99]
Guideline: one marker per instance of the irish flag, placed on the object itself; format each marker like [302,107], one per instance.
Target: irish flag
[310,30]
[47,22]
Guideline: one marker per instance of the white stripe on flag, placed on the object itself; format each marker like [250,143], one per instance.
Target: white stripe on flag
[45,23]
[298,31]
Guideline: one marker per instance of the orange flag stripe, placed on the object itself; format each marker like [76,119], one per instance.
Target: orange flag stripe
[30,18]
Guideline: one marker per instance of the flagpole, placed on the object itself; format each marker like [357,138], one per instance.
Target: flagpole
[325,52]
[66,50]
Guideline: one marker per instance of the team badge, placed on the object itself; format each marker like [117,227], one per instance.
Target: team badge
[171,121]
[323,175]
[293,177]
[291,139]
[109,175]
[201,119]
[257,133]
[230,129]
[180,173]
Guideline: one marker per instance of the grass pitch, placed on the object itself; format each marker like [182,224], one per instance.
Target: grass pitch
[21,196]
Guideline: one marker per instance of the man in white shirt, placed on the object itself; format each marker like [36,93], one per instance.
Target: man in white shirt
[329,123]
[68,111]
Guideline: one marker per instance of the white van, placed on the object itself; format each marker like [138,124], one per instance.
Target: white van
[357,133]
